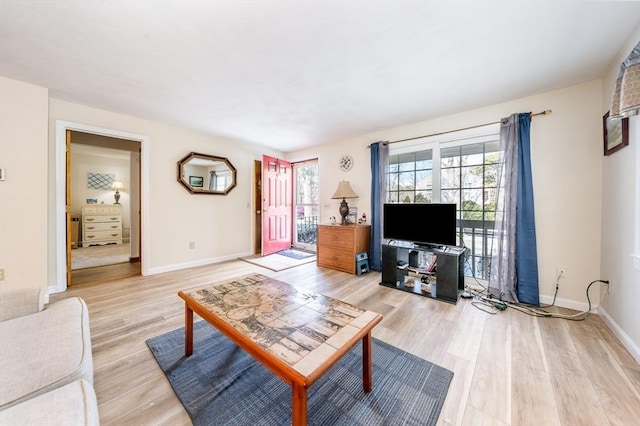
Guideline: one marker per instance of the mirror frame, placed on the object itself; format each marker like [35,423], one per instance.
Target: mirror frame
[192,190]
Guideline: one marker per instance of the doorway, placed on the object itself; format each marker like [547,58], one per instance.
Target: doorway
[58,248]
[103,176]
[307,204]
[292,190]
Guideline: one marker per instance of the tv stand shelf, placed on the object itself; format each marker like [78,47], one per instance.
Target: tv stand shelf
[408,267]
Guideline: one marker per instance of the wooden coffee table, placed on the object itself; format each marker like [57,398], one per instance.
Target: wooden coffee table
[295,333]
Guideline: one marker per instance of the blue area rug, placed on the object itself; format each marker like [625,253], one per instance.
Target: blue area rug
[221,385]
[296,254]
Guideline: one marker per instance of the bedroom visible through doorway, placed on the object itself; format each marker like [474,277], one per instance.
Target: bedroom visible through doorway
[104,223]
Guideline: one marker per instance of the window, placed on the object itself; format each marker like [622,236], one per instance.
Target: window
[307,203]
[459,168]
[410,177]
[221,180]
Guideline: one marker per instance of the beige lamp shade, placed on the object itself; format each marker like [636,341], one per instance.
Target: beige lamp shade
[344,191]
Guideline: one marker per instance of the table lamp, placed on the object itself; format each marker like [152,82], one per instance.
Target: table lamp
[117,186]
[344,191]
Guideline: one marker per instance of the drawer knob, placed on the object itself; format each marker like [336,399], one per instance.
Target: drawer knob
[90,236]
[89,219]
[91,227]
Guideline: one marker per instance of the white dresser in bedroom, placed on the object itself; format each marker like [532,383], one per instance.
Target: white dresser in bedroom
[101,224]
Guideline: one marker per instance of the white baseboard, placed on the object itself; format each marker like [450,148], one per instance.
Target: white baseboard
[629,344]
[570,304]
[193,264]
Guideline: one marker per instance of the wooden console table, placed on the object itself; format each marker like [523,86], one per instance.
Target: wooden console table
[338,245]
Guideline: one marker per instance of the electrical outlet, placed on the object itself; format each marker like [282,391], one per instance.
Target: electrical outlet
[1,274]
[561,271]
[192,245]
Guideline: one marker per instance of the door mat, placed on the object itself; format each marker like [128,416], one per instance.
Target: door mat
[296,253]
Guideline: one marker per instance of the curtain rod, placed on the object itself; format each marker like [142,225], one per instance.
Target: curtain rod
[545,112]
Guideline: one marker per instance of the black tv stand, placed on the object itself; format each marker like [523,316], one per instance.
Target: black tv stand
[443,281]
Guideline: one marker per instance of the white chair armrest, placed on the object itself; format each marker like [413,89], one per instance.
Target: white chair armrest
[19,302]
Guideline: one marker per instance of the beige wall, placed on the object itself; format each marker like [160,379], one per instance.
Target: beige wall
[566,155]
[23,195]
[220,226]
[621,188]
[580,226]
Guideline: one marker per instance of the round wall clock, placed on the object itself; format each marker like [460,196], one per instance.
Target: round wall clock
[346,163]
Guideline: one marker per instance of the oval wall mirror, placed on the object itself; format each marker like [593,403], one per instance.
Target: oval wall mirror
[206,174]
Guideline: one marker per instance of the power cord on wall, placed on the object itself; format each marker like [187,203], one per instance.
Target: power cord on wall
[487,302]
[495,305]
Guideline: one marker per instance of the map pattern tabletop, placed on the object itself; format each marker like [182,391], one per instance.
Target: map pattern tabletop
[298,326]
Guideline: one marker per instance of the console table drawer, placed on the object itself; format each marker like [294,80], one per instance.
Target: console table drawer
[108,218]
[336,237]
[100,210]
[102,226]
[333,258]
[103,235]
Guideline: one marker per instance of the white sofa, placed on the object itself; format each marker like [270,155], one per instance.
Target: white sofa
[46,365]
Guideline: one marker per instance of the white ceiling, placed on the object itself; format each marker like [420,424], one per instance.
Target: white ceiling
[291,74]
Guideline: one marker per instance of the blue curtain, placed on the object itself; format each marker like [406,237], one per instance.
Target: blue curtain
[514,257]
[526,251]
[379,160]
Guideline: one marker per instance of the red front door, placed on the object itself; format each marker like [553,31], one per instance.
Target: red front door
[277,194]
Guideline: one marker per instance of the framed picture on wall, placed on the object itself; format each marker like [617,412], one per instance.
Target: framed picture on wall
[615,132]
[196,181]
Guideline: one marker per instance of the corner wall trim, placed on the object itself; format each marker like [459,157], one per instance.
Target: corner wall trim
[629,344]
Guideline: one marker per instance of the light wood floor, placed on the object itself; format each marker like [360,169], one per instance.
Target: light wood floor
[510,368]
[101,274]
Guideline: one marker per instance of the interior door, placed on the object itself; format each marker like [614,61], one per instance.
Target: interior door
[277,194]
[68,203]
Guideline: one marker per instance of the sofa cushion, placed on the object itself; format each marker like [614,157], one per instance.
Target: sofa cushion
[45,350]
[73,404]
[22,301]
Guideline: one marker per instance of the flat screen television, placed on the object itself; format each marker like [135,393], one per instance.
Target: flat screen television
[427,224]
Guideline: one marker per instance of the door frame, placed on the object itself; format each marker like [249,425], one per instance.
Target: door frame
[62,126]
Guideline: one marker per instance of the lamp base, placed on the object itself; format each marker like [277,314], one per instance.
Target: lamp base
[117,197]
[344,211]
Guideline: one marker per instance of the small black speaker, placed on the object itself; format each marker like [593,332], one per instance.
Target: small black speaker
[413,258]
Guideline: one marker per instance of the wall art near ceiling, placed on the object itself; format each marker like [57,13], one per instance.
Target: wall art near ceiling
[616,133]
[100,180]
